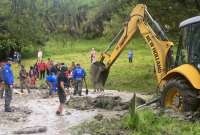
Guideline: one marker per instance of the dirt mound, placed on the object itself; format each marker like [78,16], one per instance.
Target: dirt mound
[110,103]
[81,103]
[101,102]
[105,126]
[183,116]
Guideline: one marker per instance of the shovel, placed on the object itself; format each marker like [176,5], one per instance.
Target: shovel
[86,91]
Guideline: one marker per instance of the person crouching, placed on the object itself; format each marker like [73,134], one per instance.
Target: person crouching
[51,82]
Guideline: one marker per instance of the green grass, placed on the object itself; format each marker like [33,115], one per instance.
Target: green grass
[148,123]
[153,124]
[137,76]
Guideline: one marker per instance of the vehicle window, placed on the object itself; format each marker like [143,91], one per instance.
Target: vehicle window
[195,44]
[183,49]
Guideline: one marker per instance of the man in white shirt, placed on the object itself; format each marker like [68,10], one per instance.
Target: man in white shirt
[40,54]
[93,55]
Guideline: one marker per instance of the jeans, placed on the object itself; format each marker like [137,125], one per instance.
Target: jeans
[78,87]
[8,96]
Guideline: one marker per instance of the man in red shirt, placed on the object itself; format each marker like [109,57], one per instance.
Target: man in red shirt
[42,68]
[48,66]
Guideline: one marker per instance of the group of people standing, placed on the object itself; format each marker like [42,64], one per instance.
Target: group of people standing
[59,78]
[29,79]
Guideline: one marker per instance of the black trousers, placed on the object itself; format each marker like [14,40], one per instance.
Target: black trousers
[130,60]
[62,96]
[42,74]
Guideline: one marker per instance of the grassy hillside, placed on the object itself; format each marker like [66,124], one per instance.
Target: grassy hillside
[138,76]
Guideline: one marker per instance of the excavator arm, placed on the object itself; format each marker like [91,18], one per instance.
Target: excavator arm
[158,44]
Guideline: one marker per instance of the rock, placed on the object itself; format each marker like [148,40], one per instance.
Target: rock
[140,101]
[98,117]
[31,130]
[80,103]
[107,102]
[16,119]
[68,113]
[119,115]
[118,108]
[27,111]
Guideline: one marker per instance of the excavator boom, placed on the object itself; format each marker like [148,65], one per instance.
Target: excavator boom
[158,44]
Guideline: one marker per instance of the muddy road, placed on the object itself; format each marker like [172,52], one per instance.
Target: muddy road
[35,113]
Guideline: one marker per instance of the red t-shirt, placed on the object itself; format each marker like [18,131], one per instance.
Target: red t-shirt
[42,66]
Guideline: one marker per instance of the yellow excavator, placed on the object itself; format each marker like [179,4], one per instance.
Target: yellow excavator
[178,79]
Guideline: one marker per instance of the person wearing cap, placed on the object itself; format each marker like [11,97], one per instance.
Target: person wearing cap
[8,79]
[78,76]
[61,90]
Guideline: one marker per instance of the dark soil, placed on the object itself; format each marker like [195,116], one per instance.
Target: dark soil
[102,102]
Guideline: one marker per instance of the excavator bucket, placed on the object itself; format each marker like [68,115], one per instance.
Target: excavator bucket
[99,74]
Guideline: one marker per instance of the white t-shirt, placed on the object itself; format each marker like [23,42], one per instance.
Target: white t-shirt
[39,54]
[93,56]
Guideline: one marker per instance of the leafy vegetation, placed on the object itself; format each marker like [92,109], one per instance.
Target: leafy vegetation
[32,22]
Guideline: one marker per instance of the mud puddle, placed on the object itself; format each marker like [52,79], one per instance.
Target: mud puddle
[33,111]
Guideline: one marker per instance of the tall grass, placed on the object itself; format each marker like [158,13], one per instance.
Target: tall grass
[152,124]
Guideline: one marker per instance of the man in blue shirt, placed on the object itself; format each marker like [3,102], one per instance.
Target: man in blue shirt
[130,56]
[8,79]
[78,76]
[51,81]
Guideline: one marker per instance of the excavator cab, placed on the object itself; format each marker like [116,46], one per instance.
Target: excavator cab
[181,90]
[189,47]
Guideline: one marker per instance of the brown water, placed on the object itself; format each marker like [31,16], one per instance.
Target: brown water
[44,115]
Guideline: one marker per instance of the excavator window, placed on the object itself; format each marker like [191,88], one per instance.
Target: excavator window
[182,53]
[195,44]
[189,45]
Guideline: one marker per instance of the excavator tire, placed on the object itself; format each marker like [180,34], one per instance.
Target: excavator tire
[99,74]
[179,95]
